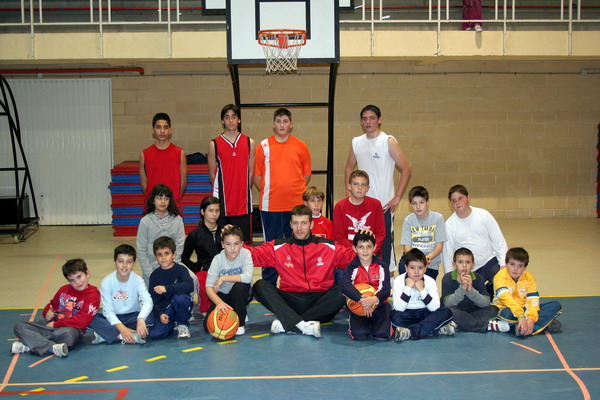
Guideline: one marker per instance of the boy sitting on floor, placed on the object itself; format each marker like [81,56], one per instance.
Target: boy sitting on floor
[126,303]
[66,316]
[417,312]
[464,293]
[366,268]
[518,299]
[170,288]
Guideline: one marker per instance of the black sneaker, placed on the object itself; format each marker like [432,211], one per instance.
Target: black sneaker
[554,326]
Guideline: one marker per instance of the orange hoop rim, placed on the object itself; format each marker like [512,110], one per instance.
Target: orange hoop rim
[282,32]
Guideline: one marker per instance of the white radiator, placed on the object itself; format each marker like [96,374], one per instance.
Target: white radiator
[66,128]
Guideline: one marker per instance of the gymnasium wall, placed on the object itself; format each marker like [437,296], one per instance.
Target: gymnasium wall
[521,135]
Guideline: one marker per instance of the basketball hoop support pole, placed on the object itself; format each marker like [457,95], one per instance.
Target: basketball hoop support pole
[333,70]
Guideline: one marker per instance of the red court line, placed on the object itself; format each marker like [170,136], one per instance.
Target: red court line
[525,347]
[41,361]
[44,290]
[583,248]
[584,390]
[13,362]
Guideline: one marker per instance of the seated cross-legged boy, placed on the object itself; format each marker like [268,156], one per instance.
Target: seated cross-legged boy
[366,268]
[66,317]
[416,311]
[322,226]
[518,299]
[464,293]
[126,303]
[170,288]
[229,277]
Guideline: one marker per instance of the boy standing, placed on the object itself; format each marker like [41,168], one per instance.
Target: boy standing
[229,277]
[163,162]
[170,288]
[417,312]
[518,299]
[464,293]
[379,155]
[282,170]
[66,316]
[477,230]
[322,226]
[366,268]
[358,211]
[423,229]
[126,304]
[230,169]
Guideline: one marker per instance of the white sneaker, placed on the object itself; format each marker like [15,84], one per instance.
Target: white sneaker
[60,349]
[497,325]
[98,339]
[241,330]
[136,337]
[18,347]
[313,328]
[183,332]
[449,329]
[401,334]
[277,327]
[478,28]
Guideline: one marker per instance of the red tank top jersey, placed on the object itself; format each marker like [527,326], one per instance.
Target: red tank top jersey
[232,183]
[164,167]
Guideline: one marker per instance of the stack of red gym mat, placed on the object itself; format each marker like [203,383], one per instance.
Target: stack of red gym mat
[128,199]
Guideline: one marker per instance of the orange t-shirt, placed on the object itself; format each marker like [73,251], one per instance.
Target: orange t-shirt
[282,168]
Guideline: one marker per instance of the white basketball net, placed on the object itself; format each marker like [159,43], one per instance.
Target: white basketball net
[281,48]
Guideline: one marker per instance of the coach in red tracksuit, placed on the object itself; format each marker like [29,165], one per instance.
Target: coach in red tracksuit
[306,295]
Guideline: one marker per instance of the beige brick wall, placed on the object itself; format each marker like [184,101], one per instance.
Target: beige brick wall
[520,135]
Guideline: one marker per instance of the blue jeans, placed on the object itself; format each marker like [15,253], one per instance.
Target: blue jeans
[548,311]
[421,321]
[102,327]
[180,311]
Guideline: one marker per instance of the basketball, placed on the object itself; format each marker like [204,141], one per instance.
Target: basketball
[222,326]
[354,306]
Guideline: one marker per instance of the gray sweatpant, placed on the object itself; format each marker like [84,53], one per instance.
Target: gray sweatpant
[40,338]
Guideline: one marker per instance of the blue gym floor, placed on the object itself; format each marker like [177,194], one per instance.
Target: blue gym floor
[258,365]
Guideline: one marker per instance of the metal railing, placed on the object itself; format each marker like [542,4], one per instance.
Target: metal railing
[170,14]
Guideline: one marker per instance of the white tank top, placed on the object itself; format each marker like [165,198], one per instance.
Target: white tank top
[373,157]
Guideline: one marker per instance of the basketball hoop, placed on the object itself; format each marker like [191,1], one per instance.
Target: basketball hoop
[281,47]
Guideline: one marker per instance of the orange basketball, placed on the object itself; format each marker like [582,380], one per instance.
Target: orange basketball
[222,326]
[354,306]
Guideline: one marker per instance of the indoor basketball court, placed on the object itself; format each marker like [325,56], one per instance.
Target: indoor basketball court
[261,365]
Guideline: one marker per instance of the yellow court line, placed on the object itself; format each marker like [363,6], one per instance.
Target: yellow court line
[289,377]
[326,323]
[259,336]
[117,368]
[192,349]
[155,358]
[79,378]
[228,341]
[34,391]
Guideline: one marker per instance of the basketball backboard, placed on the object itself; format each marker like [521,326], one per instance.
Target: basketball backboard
[319,18]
